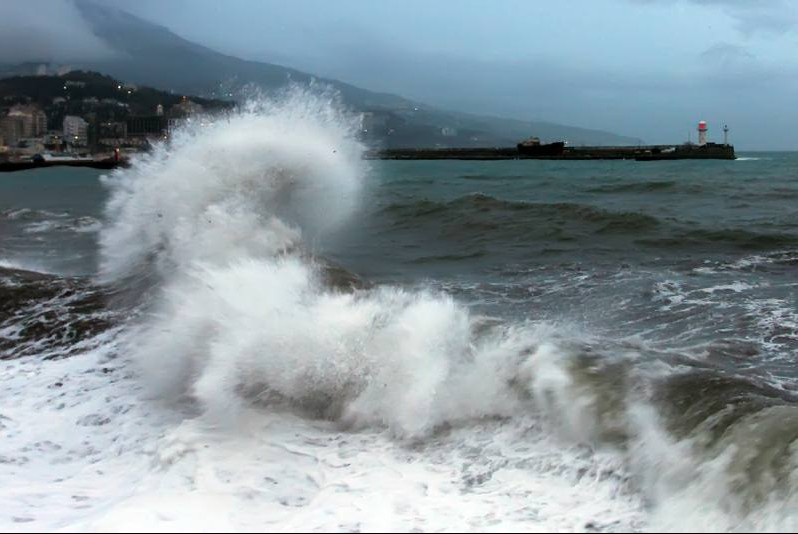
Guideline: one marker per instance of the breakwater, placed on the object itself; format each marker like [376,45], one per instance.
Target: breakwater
[639,153]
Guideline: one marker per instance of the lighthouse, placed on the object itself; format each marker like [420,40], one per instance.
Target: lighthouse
[702,133]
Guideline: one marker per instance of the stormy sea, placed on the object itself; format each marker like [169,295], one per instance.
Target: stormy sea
[255,328]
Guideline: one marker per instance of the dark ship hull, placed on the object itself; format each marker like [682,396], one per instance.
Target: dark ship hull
[547,149]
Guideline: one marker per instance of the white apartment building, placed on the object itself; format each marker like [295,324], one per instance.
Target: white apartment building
[76,130]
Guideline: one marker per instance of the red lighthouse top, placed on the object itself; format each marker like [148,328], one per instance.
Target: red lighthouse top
[702,125]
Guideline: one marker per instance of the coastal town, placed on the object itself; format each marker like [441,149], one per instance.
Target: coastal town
[88,116]
[26,131]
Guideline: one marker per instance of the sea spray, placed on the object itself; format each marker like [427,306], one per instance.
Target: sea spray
[241,185]
[223,216]
[385,357]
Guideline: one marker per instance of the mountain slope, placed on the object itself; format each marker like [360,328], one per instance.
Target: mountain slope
[149,53]
[152,55]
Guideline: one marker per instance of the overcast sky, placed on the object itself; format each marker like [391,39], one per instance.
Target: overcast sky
[645,68]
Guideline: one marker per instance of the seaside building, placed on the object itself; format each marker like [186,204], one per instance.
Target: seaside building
[54,140]
[11,130]
[173,124]
[180,115]
[112,133]
[76,130]
[116,129]
[146,126]
[185,108]
[33,120]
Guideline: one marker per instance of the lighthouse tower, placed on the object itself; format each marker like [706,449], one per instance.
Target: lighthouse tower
[702,133]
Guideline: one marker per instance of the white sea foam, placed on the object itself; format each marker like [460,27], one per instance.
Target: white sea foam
[42,227]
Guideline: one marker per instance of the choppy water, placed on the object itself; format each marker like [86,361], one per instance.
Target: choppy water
[255,329]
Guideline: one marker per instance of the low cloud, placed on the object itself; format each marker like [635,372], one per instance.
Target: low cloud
[754,16]
[47,31]
[750,16]
[728,55]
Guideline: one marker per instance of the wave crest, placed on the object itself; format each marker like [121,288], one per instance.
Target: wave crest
[246,184]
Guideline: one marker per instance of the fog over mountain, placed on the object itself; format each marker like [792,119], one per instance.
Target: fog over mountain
[47,30]
[646,69]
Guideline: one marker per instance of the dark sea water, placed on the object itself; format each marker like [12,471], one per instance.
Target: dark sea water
[687,253]
[646,314]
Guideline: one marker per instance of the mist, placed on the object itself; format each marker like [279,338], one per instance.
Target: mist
[47,31]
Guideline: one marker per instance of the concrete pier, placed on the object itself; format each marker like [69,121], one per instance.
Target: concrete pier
[639,153]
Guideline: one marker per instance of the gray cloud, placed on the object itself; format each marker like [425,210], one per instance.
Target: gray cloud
[727,60]
[728,54]
[754,16]
[750,16]
[47,30]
